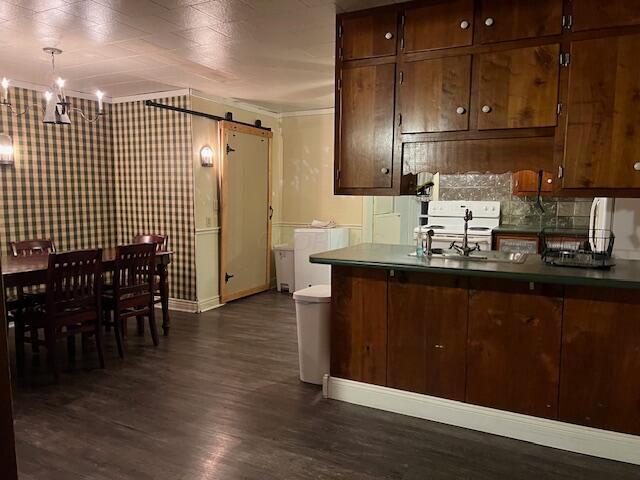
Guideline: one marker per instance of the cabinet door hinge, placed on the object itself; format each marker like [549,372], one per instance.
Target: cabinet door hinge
[340,53]
[401,78]
[402,19]
[560,171]
[339,84]
[399,119]
[559,109]
[565,59]
[339,31]
[567,22]
[338,174]
[402,43]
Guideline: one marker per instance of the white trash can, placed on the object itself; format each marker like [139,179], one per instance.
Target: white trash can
[284,267]
[313,314]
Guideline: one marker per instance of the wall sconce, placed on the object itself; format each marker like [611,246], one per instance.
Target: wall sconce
[6,149]
[206,156]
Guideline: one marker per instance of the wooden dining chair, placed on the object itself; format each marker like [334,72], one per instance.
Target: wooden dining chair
[131,294]
[161,290]
[33,296]
[72,306]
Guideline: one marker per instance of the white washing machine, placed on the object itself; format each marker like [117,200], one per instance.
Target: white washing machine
[308,241]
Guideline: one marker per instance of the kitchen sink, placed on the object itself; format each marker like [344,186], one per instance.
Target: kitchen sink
[482,256]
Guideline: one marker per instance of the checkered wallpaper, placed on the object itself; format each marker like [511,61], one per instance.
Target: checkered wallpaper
[61,186]
[87,185]
[154,182]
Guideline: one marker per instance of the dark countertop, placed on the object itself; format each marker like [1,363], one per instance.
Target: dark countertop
[536,229]
[626,273]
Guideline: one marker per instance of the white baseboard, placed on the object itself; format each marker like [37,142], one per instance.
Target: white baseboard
[550,433]
[209,303]
[180,305]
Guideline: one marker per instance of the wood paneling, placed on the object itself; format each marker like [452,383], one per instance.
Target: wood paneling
[513,357]
[603,114]
[525,182]
[599,384]
[427,328]
[519,87]
[7,441]
[438,25]
[516,19]
[365,36]
[593,14]
[359,324]
[431,93]
[492,155]
[365,141]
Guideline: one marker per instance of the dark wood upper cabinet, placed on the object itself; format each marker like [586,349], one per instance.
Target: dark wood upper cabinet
[594,14]
[368,36]
[525,182]
[365,134]
[513,357]
[434,95]
[426,339]
[441,24]
[518,88]
[601,359]
[602,138]
[503,20]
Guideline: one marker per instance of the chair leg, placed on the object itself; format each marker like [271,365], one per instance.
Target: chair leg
[35,347]
[152,326]
[52,358]
[19,338]
[118,334]
[140,322]
[71,348]
[84,342]
[99,345]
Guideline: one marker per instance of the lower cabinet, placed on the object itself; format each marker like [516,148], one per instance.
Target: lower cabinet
[599,384]
[513,355]
[359,324]
[427,327]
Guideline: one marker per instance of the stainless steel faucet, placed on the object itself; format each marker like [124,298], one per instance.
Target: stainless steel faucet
[465,250]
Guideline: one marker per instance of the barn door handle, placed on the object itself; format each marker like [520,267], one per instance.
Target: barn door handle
[270,212]
[229,149]
[227,277]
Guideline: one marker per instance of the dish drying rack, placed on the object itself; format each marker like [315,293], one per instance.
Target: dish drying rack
[572,249]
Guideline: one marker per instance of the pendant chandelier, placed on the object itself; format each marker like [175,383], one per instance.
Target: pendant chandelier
[58,107]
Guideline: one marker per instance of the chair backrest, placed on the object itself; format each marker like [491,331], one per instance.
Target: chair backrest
[160,241]
[26,248]
[74,282]
[133,275]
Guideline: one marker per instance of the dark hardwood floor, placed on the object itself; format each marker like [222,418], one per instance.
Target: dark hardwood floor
[220,399]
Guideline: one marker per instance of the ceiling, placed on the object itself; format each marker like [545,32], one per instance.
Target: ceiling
[277,54]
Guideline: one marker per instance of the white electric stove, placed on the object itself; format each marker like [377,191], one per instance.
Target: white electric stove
[446,219]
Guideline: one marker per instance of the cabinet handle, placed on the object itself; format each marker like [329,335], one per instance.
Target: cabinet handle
[464,24]
[461,110]
[549,180]
[486,109]
[489,21]
[636,166]
[388,35]
[385,171]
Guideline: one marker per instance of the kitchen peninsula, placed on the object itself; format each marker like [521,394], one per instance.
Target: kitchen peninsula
[525,350]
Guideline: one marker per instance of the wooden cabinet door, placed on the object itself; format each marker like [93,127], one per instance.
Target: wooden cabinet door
[518,88]
[525,182]
[368,36]
[599,384]
[502,20]
[359,324]
[427,330]
[440,24]
[513,356]
[594,14]
[365,133]
[602,137]
[434,95]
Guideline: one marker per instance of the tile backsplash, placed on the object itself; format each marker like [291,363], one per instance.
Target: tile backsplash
[559,212]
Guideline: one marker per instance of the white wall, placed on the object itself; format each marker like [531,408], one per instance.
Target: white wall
[626,227]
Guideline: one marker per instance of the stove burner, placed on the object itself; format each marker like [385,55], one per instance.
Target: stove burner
[479,229]
[435,227]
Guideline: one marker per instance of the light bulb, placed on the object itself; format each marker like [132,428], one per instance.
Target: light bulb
[99,94]
[5,83]
[5,90]
[60,82]
[48,95]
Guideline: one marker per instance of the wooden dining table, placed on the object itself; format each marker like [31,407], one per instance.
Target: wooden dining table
[26,271]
